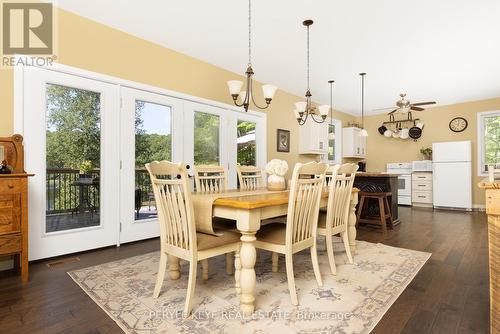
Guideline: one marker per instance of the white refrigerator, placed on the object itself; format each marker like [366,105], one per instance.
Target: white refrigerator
[452,174]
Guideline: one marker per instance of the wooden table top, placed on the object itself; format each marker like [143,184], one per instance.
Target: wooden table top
[487,184]
[250,202]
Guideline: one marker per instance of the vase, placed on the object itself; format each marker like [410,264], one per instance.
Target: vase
[276,182]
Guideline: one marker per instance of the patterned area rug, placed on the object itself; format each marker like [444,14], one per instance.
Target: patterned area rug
[353,301]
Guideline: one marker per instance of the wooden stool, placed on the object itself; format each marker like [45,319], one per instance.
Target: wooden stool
[382,199]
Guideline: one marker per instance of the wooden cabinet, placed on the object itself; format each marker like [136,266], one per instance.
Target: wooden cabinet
[313,138]
[421,189]
[14,203]
[353,146]
[492,189]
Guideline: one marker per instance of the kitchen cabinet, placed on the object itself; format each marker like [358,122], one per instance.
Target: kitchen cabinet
[353,146]
[421,185]
[313,138]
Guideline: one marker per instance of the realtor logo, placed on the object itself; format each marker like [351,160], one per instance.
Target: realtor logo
[27,28]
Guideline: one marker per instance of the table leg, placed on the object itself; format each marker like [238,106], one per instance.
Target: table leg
[248,222]
[174,269]
[351,224]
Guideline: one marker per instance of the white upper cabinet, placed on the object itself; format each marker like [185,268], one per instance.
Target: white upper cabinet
[353,146]
[313,138]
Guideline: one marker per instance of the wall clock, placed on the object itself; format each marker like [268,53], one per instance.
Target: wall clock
[458,124]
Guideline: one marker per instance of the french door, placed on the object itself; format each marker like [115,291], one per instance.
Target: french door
[71,141]
[87,140]
[151,129]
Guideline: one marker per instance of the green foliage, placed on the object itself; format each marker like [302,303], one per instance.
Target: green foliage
[246,151]
[492,140]
[86,167]
[206,139]
[426,151]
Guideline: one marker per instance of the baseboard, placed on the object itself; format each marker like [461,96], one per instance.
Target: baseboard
[6,262]
[478,207]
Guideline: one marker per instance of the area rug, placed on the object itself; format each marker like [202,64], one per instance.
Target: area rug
[353,301]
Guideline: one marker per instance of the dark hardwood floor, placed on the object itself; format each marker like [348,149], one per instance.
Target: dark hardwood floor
[449,294]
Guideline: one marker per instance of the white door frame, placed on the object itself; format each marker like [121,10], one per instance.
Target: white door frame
[232,112]
[42,244]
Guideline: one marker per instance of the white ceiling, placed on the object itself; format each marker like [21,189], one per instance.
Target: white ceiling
[445,50]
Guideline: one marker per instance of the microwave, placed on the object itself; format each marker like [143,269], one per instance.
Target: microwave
[422,166]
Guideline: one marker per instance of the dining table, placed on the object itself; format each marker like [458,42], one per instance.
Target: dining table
[249,210]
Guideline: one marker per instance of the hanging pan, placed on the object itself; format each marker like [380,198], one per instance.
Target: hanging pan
[415,132]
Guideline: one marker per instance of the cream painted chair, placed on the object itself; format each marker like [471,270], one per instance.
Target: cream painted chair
[299,232]
[210,179]
[213,179]
[250,177]
[178,234]
[340,182]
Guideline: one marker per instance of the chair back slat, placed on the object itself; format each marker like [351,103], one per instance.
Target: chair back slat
[210,179]
[340,188]
[303,206]
[250,177]
[175,208]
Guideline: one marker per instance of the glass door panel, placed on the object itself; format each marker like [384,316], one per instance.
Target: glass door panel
[206,139]
[150,126]
[246,145]
[71,139]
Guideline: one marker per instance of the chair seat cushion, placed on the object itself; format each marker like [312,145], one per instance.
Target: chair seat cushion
[207,241]
[273,233]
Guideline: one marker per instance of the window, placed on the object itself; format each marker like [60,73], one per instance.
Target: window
[245,140]
[488,139]
[206,139]
[334,145]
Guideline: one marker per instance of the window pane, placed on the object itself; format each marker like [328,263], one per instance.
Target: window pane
[331,143]
[206,139]
[73,154]
[153,141]
[246,143]
[491,140]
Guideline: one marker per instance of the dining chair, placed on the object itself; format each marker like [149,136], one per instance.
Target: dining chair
[178,234]
[334,221]
[213,179]
[299,232]
[210,178]
[250,177]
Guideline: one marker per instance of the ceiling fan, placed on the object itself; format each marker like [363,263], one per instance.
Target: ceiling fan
[404,106]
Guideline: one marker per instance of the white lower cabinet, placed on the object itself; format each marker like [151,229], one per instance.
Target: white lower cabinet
[353,146]
[421,184]
[313,138]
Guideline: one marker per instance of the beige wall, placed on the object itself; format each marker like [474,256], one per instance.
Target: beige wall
[92,46]
[382,150]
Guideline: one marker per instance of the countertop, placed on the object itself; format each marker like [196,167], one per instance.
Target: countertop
[375,174]
[487,184]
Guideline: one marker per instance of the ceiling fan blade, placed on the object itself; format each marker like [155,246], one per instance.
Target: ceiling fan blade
[382,109]
[416,108]
[423,103]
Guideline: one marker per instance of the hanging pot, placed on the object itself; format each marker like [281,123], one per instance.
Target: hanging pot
[415,132]
[382,129]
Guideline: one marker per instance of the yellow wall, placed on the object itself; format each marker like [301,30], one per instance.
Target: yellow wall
[382,150]
[92,46]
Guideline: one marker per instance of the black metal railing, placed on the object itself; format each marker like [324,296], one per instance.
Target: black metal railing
[63,192]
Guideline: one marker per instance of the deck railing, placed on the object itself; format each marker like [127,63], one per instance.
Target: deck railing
[63,192]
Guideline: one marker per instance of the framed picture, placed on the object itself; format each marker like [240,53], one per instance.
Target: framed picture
[283,140]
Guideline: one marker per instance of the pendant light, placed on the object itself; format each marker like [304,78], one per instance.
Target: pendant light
[331,135]
[363,132]
[304,109]
[236,85]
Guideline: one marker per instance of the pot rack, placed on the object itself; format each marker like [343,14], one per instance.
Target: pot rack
[410,119]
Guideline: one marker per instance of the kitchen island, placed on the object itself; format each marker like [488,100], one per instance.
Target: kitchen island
[380,182]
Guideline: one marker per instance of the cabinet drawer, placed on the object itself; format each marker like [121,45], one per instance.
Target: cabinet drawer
[421,197]
[421,176]
[421,186]
[10,186]
[10,243]
[10,213]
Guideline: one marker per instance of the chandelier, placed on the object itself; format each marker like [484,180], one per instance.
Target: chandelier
[236,85]
[304,109]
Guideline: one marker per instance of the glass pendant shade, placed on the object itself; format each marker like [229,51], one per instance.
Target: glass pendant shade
[324,110]
[234,86]
[269,91]
[296,113]
[301,106]
[363,133]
